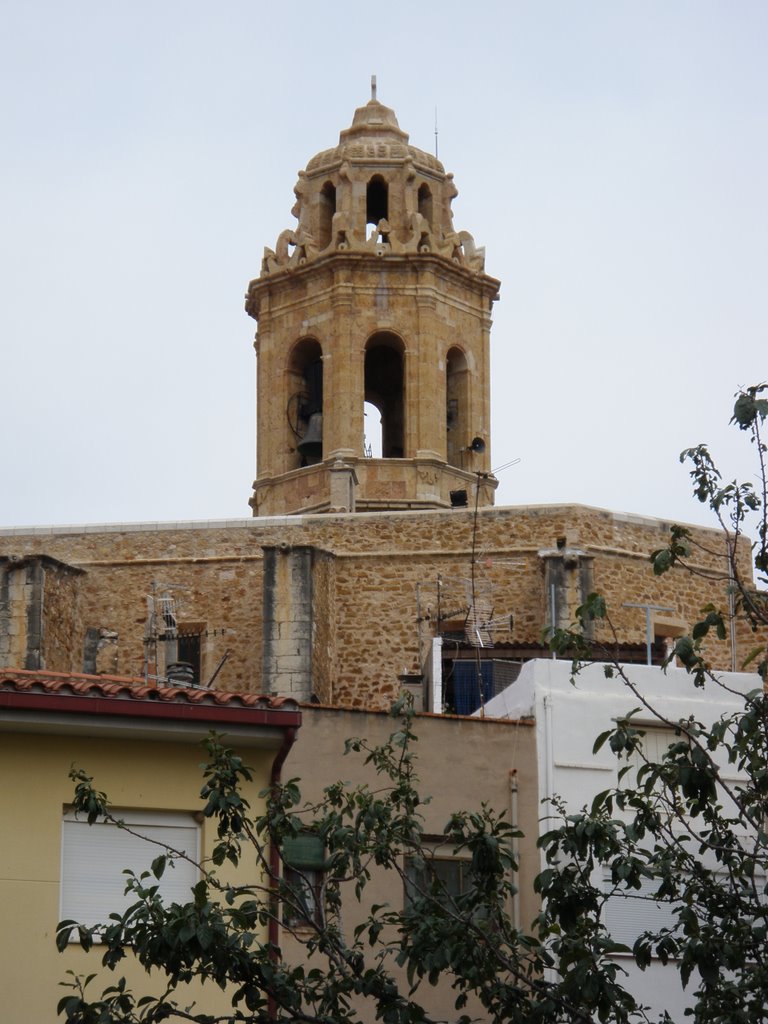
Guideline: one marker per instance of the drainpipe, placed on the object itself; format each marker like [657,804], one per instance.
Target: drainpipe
[273,931]
[549,781]
[515,845]
[553,614]
[549,752]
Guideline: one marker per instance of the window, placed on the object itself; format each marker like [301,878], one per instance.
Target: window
[93,859]
[656,741]
[457,406]
[304,859]
[305,403]
[629,913]
[377,200]
[326,210]
[425,203]
[445,878]
[385,389]
[189,650]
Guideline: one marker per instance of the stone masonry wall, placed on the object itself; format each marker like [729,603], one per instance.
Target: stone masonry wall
[63,632]
[40,625]
[375,585]
[324,633]
[287,617]
[15,594]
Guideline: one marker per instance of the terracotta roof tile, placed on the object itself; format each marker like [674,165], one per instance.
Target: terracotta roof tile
[129,688]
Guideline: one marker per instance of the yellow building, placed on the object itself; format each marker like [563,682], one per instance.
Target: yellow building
[142,747]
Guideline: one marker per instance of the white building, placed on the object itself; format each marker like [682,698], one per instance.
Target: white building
[570,713]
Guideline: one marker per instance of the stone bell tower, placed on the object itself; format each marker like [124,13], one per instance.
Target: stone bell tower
[372,298]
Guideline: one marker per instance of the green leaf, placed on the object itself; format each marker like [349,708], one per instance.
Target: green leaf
[64,931]
[159,865]
[662,561]
[600,741]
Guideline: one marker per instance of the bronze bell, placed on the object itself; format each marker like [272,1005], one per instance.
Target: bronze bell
[311,445]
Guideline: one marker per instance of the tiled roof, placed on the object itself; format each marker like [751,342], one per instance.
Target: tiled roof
[133,689]
[52,697]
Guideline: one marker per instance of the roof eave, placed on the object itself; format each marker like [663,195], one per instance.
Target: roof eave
[70,714]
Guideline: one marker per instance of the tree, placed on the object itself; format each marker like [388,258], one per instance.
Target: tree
[391,959]
[676,824]
[735,506]
[684,825]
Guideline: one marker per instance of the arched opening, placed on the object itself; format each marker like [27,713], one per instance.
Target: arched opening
[372,426]
[327,208]
[384,389]
[456,406]
[305,402]
[425,203]
[376,200]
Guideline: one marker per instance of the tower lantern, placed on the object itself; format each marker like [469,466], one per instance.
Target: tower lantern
[374,298]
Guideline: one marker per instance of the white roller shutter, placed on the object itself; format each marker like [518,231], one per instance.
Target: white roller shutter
[93,858]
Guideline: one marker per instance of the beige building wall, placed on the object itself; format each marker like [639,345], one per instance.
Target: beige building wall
[461,763]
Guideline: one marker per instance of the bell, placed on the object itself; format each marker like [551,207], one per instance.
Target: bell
[311,445]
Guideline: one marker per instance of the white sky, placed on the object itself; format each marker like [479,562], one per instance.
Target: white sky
[611,156]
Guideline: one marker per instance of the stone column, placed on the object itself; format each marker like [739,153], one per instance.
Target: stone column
[287,621]
[567,584]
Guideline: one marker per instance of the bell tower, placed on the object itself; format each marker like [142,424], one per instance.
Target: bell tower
[374,298]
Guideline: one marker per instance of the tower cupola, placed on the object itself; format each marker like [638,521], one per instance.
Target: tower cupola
[372,307]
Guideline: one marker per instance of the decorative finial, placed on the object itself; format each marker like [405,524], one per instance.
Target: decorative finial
[373,87]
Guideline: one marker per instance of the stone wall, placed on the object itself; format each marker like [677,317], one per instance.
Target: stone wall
[324,634]
[62,624]
[287,617]
[379,582]
[40,622]
[423,306]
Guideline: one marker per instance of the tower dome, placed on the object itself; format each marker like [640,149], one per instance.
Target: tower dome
[373,192]
[372,297]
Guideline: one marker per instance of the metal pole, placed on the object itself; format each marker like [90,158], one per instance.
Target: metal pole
[552,613]
[648,624]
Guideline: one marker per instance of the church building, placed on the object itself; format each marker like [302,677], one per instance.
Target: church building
[373,298]
[375,558]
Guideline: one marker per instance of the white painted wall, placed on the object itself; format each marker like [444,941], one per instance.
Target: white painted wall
[571,712]
[432,670]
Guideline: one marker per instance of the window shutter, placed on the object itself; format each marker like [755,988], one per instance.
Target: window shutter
[629,914]
[94,857]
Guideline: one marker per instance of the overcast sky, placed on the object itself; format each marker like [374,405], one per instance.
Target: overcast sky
[611,156]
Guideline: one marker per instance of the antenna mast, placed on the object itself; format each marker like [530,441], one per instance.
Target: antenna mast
[435,132]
